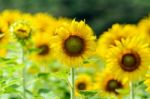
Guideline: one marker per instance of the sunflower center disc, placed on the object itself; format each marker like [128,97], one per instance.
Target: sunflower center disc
[22,31]
[130,62]
[81,86]
[112,85]
[73,45]
[44,49]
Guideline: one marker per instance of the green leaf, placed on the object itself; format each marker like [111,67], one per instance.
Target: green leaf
[43,75]
[44,90]
[87,93]
[8,60]
[123,91]
[63,74]
[14,86]
[28,91]
[86,62]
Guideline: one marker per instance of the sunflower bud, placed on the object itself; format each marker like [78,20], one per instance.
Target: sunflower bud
[21,29]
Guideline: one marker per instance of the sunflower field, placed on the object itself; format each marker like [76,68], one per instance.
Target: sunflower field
[43,56]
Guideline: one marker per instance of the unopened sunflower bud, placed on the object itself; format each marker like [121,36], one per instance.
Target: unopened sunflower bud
[21,29]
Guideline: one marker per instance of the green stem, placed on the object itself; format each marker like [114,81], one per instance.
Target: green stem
[23,75]
[24,83]
[72,83]
[131,90]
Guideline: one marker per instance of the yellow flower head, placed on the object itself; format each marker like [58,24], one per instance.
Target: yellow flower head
[129,60]
[29,18]
[21,29]
[144,27]
[43,44]
[59,23]
[109,38]
[107,85]
[75,43]
[10,16]
[4,34]
[83,82]
[5,38]
[44,22]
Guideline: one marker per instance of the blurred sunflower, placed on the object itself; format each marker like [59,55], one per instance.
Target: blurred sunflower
[144,27]
[43,44]
[60,22]
[109,86]
[5,38]
[28,18]
[75,43]
[44,22]
[83,83]
[116,33]
[10,16]
[4,33]
[129,60]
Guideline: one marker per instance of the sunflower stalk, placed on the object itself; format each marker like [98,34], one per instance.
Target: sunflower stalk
[72,83]
[24,83]
[23,74]
[131,90]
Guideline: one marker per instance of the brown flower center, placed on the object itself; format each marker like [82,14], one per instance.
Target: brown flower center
[130,61]
[74,45]
[112,85]
[1,34]
[81,86]
[1,31]
[148,30]
[21,30]
[44,49]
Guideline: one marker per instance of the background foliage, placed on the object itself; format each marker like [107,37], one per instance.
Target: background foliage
[100,14]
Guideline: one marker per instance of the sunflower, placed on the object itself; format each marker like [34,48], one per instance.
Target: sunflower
[108,86]
[5,38]
[75,43]
[116,33]
[83,83]
[129,60]
[21,29]
[28,18]
[4,33]
[60,22]
[10,16]
[64,20]
[44,22]
[144,27]
[43,45]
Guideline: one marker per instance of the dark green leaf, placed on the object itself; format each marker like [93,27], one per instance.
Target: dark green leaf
[43,90]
